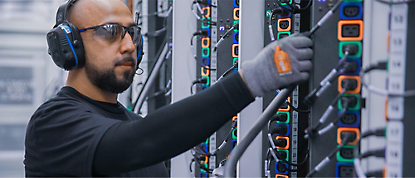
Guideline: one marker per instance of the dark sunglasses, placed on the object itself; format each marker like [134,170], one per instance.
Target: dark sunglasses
[111,32]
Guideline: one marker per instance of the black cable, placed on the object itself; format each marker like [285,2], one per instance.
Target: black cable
[377,173]
[225,35]
[347,139]
[197,81]
[294,9]
[296,109]
[228,71]
[380,153]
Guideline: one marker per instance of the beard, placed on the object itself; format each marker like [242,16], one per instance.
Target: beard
[107,81]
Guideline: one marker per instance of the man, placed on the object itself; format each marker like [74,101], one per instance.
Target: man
[84,131]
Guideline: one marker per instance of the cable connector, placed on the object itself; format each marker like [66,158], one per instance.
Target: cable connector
[352,49]
[380,153]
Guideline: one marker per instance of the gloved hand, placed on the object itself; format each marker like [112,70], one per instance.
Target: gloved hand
[280,64]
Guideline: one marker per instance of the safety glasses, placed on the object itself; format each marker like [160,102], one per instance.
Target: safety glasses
[112,32]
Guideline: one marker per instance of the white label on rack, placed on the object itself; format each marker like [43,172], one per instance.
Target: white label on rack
[396,64]
[394,150]
[399,18]
[393,171]
[396,84]
[398,41]
[395,108]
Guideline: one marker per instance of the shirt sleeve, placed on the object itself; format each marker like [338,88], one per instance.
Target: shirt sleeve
[170,130]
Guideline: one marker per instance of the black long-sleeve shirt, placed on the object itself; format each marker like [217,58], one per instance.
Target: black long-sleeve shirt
[73,135]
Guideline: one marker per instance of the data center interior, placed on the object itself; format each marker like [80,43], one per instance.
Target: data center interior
[351,119]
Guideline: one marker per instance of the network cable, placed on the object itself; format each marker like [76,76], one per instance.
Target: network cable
[228,71]
[377,132]
[295,9]
[382,66]
[346,139]
[333,75]
[225,35]
[203,33]
[278,11]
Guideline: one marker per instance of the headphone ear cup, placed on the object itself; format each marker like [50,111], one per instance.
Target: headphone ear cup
[66,47]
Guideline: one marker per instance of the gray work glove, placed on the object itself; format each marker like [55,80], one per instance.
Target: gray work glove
[290,55]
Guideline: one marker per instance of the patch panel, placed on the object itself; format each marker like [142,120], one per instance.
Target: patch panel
[284,25]
[281,35]
[351,67]
[235,52]
[284,117]
[285,106]
[282,142]
[351,11]
[236,14]
[345,154]
[342,131]
[352,98]
[205,42]
[352,83]
[344,169]
[350,30]
[282,154]
[281,168]
[350,119]
[342,49]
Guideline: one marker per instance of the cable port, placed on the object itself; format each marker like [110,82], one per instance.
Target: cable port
[352,100]
[284,25]
[284,2]
[205,52]
[204,71]
[285,106]
[351,11]
[206,11]
[205,22]
[282,142]
[235,52]
[350,83]
[349,119]
[281,130]
[344,45]
[233,143]
[345,154]
[235,133]
[344,169]
[281,168]
[341,132]
[236,37]
[237,27]
[236,3]
[235,60]
[351,67]
[281,35]
[206,85]
[350,30]
[281,176]
[283,117]
[282,154]
[285,13]
[203,174]
[205,42]
[236,14]
[205,62]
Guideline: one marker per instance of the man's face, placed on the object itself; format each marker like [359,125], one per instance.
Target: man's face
[110,62]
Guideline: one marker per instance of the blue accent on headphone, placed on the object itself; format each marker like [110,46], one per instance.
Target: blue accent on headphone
[64,29]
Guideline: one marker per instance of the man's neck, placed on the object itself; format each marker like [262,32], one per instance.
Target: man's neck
[84,86]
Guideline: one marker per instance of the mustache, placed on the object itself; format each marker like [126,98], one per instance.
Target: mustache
[126,60]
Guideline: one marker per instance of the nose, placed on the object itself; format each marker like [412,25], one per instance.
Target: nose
[127,45]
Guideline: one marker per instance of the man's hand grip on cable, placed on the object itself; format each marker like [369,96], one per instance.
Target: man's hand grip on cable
[280,64]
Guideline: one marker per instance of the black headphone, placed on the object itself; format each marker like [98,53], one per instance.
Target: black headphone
[65,43]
